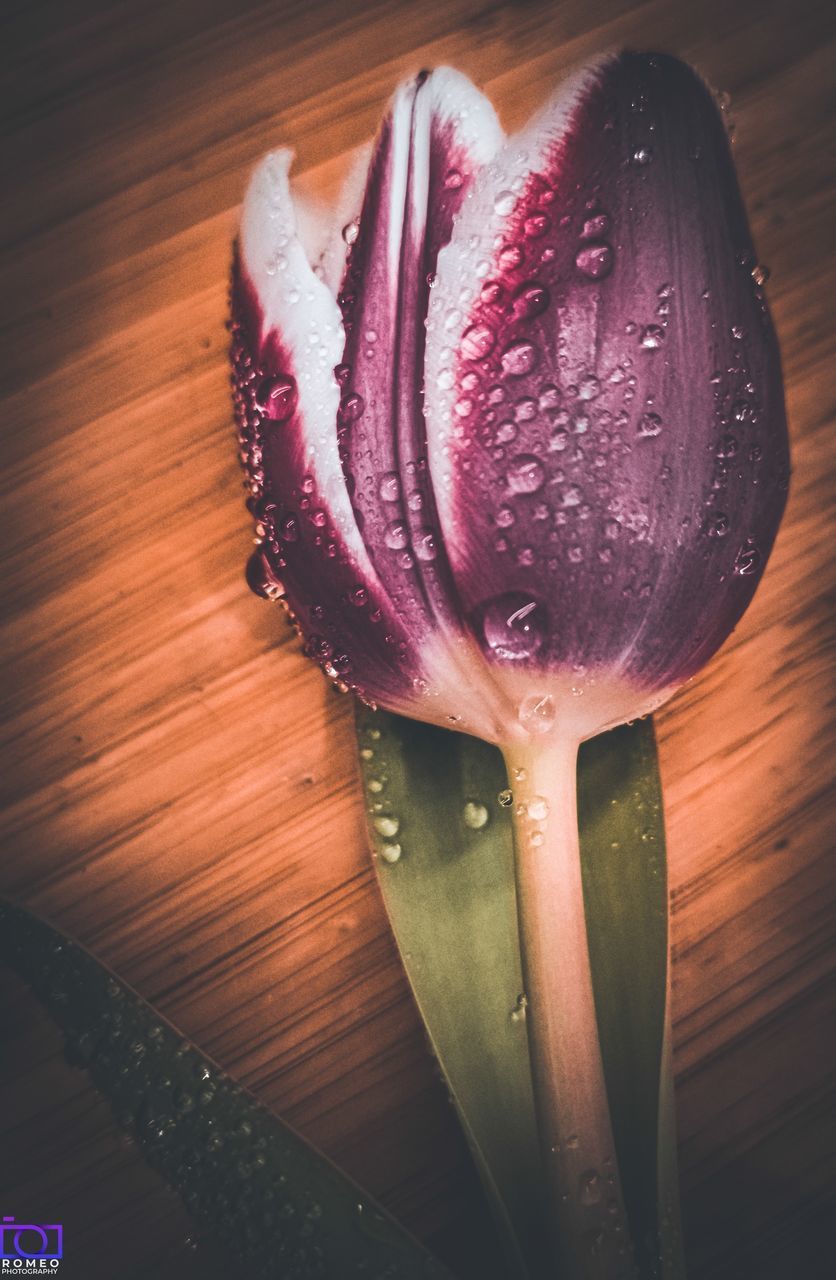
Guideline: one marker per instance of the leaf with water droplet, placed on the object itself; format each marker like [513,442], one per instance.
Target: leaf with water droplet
[262,1195]
[452,905]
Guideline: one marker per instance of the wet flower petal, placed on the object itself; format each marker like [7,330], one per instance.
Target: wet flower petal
[436,138]
[641,499]
[570,483]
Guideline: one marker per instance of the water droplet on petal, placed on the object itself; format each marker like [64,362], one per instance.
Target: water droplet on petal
[717,525]
[748,559]
[642,156]
[514,625]
[261,579]
[550,397]
[391,852]
[504,203]
[288,528]
[595,261]
[537,712]
[351,230]
[525,474]
[727,446]
[652,337]
[351,407]
[506,798]
[390,487]
[396,535]
[478,341]
[519,358]
[536,225]
[453,180]
[589,387]
[649,425]
[424,545]
[277,397]
[531,299]
[595,227]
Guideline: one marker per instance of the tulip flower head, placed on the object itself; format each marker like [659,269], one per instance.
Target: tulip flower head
[515,435]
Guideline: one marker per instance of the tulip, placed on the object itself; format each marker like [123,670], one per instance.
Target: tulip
[517,453]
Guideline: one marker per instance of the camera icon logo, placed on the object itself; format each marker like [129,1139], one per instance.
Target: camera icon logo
[30,1241]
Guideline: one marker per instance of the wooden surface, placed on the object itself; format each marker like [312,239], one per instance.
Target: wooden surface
[179,784]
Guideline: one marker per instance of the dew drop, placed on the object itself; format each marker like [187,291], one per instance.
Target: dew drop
[510,257]
[595,227]
[506,798]
[351,230]
[288,528]
[717,525]
[649,425]
[260,578]
[525,474]
[453,180]
[642,156]
[537,712]
[351,407]
[595,261]
[385,825]
[519,358]
[424,545]
[390,852]
[589,1187]
[277,397]
[519,1010]
[727,446]
[589,387]
[537,808]
[536,225]
[389,487]
[748,559]
[475,815]
[531,299]
[478,341]
[514,625]
[396,535]
[760,274]
[652,337]
[504,203]
[505,517]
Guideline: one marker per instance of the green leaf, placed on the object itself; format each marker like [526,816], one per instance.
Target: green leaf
[277,1206]
[444,853]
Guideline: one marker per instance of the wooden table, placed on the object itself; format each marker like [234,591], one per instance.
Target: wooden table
[179,783]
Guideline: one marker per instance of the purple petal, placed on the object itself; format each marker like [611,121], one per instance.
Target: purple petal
[623,470]
[287,340]
[287,337]
[437,137]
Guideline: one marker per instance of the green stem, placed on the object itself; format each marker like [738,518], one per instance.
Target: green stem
[591,1232]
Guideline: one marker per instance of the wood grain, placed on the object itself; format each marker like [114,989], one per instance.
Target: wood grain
[178,784]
